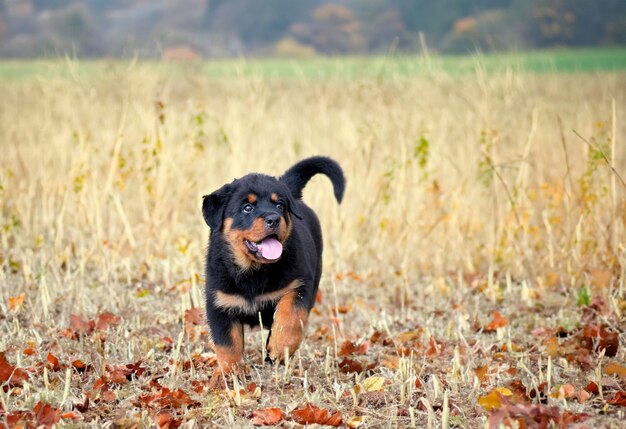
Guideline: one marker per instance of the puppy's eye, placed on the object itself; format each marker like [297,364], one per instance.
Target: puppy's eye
[248,208]
[280,206]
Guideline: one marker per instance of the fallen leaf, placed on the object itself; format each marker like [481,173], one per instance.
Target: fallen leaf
[614,369]
[598,337]
[355,422]
[583,396]
[348,365]
[565,391]
[80,326]
[53,362]
[497,321]
[373,384]
[311,414]
[46,415]
[167,420]
[349,348]
[267,416]
[70,415]
[492,400]
[481,372]
[592,387]
[79,365]
[16,302]
[165,398]
[8,373]
[194,316]
[552,346]
[107,319]
[618,399]
[540,415]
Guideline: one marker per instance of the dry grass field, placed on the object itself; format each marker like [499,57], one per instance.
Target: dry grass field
[474,274]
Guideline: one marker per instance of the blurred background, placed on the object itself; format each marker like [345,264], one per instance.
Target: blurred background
[192,29]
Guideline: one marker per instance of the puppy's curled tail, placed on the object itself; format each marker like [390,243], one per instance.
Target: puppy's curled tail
[299,175]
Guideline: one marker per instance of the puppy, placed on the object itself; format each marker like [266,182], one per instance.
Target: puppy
[264,260]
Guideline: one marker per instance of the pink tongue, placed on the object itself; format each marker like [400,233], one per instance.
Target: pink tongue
[270,248]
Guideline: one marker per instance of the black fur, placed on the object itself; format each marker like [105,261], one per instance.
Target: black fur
[301,258]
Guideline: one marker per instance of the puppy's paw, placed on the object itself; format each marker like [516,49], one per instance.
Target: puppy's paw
[222,376]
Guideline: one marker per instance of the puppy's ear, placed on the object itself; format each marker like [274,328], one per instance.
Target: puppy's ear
[213,206]
[293,209]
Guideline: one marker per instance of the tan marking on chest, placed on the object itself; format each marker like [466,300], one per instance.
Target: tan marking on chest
[229,301]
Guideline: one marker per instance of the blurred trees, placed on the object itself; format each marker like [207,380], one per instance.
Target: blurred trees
[234,27]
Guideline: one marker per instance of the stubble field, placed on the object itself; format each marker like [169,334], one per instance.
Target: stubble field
[473,275]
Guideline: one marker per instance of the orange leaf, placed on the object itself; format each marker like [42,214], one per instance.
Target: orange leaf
[497,321]
[79,365]
[552,346]
[615,369]
[16,302]
[618,399]
[267,416]
[311,414]
[53,362]
[481,372]
[70,415]
[492,400]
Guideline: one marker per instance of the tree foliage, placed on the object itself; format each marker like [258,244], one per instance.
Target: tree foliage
[221,28]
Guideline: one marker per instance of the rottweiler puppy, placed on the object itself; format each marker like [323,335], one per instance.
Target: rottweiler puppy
[264,260]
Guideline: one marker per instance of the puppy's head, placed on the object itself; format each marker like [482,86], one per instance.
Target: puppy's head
[254,216]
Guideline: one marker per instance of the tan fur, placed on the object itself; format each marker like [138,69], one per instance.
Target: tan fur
[288,327]
[237,302]
[235,238]
[229,357]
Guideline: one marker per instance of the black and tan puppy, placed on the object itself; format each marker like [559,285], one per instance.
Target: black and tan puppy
[265,258]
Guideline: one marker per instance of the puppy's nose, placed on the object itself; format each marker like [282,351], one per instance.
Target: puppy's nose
[272,220]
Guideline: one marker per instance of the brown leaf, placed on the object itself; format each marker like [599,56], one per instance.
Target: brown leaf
[20,419]
[107,319]
[80,326]
[194,316]
[592,388]
[497,321]
[348,365]
[82,407]
[539,415]
[598,337]
[165,398]
[46,415]
[311,414]
[349,348]
[267,416]
[8,373]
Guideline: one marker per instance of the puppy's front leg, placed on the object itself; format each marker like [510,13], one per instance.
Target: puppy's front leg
[287,331]
[227,336]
